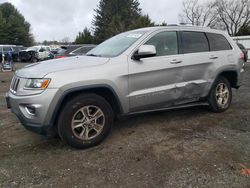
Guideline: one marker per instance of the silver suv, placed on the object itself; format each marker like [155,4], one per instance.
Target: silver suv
[138,71]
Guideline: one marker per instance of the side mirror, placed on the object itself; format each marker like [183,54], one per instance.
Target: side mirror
[145,51]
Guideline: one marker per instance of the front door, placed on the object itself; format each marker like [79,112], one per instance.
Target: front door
[152,81]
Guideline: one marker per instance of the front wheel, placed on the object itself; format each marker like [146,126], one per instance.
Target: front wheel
[34,60]
[220,96]
[85,121]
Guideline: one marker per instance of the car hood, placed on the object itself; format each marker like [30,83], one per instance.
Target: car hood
[39,70]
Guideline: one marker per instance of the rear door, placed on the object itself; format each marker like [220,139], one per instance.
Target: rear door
[221,49]
[197,64]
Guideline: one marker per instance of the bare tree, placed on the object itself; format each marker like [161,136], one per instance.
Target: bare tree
[230,15]
[198,14]
[234,14]
[65,40]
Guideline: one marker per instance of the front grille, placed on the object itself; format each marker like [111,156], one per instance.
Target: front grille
[14,84]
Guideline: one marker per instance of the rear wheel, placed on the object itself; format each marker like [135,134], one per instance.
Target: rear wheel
[85,121]
[220,96]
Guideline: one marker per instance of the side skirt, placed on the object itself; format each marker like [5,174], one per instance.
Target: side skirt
[166,108]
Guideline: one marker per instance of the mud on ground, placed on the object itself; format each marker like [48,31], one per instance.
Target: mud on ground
[180,148]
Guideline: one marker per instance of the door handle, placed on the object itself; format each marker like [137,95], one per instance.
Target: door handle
[175,61]
[213,57]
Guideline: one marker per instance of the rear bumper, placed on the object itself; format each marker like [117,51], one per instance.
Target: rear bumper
[240,78]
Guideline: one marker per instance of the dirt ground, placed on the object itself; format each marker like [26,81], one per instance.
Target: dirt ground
[180,148]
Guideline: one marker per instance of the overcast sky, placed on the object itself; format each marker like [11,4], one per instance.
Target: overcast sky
[56,19]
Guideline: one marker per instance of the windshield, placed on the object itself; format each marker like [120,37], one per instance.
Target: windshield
[116,45]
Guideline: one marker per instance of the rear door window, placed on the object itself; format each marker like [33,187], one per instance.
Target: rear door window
[193,42]
[218,42]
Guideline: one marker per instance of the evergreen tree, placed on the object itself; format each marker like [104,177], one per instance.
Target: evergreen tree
[116,16]
[13,27]
[244,30]
[84,37]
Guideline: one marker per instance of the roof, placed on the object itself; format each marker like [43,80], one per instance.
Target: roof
[181,27]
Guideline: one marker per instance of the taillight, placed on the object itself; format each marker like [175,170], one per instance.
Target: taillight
[242,56]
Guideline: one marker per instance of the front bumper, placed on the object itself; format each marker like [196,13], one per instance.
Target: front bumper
[33,111]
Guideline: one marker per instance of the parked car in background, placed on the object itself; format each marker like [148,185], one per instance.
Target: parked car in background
[55,50]
[50,56]
[12,49]
[244,50]
[73,50]
[138,71]
[35,53]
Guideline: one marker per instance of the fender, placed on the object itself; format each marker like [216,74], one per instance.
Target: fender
[52,120]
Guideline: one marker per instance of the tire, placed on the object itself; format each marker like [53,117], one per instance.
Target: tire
[220,96]
[73,115]
[34,60]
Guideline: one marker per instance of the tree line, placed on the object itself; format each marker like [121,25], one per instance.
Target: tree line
[115,16]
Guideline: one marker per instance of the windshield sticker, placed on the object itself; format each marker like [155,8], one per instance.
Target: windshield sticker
[135,35]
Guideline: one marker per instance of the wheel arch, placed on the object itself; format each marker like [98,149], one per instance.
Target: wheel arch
[104,91]
[231,76]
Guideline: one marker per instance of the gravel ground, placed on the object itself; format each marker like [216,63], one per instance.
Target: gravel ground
[180,148]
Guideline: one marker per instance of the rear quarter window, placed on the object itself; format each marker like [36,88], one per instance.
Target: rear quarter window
[193,42]
[218,42]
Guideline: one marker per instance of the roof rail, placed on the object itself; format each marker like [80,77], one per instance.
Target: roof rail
[190,25]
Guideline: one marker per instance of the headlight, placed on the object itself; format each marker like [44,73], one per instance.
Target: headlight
[37,83]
